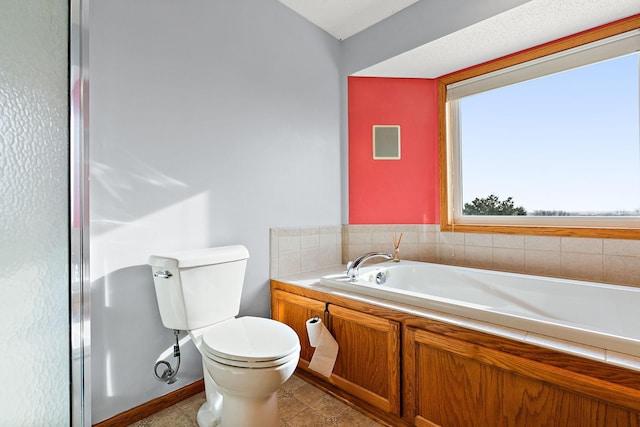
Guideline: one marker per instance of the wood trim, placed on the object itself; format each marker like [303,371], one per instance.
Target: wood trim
[603,371]
[361,393]
[565,43]
[376,323]
[604,31]
[151,407]
[408,366]
[299,299]
[363,307]
[587,385]
[595,232]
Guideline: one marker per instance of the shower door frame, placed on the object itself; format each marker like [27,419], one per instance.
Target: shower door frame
[79,279]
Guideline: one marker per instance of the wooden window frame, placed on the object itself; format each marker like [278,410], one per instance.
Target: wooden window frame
[446,217]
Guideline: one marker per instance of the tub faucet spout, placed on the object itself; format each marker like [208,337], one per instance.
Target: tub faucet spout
[353,267]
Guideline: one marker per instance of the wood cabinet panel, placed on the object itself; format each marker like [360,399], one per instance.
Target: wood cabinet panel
[461,384]
[368,363]
[459,391]
[295,310]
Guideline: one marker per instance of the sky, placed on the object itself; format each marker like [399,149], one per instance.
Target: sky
[569,141]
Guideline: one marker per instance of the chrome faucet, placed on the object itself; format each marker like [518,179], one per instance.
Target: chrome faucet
[353,267]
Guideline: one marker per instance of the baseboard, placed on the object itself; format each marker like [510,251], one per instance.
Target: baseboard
[151,407]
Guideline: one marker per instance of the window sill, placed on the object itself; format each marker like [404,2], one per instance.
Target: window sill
[605,233]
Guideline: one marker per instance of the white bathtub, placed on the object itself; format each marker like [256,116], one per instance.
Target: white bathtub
[594,314]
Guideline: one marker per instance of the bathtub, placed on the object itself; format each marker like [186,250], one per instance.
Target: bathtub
[593,314]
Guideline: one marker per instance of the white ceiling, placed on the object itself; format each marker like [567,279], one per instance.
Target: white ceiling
[532,23]
[344,18]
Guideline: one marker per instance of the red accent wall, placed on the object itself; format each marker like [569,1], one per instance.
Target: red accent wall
[404,191]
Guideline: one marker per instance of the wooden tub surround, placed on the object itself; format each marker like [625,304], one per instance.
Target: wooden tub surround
[408,369]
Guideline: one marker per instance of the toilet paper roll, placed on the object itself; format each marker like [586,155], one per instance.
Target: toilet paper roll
[324,357]
[314,328]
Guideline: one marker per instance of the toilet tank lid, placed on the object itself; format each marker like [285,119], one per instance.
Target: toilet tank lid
[199,257]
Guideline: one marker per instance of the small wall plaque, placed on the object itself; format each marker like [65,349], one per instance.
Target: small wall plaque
[386,142]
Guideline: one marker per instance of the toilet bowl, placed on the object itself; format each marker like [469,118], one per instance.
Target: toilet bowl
[245,359]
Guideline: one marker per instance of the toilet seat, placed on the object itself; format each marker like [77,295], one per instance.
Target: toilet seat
[250,342]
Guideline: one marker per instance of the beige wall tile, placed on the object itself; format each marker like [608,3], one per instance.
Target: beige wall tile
[427,237]
[329,256]
[409,251]
[329,239]
[309,259]
[345,234]
[306,231]
[428,253]
[354,251]
[288,243]
[388,228]
[508,241]
[544,262]
[542,243]
[622,247]
[624,270]
[330,229]
[273,266]
[273,241]
[382,237]
[303,248]
[288,231]
[408,237]
[581,245]
[450,254]
[360,238]
[478,256]
[508,259]
[581,266]
[476,239]
[308,241]
[407,228]
[429,228]
[451,238]
[289,263]
[360,228]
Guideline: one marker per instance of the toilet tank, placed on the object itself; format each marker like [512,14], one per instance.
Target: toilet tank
[198,288]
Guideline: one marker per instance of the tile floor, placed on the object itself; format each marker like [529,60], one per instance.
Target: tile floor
[300,404]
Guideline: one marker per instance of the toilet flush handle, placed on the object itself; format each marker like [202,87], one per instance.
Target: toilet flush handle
[165,274]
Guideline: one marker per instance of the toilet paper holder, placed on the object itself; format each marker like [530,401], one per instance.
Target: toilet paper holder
[326,316]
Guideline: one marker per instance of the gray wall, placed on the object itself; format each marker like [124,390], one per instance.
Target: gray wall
[34,232]
[210,123]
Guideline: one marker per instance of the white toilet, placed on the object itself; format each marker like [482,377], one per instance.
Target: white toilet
[245,359]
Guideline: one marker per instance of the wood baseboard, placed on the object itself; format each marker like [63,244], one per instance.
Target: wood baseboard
[156,405]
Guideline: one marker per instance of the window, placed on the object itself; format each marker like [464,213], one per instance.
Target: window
[547,141]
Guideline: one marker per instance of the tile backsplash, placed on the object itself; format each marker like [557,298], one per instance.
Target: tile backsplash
[302,249]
